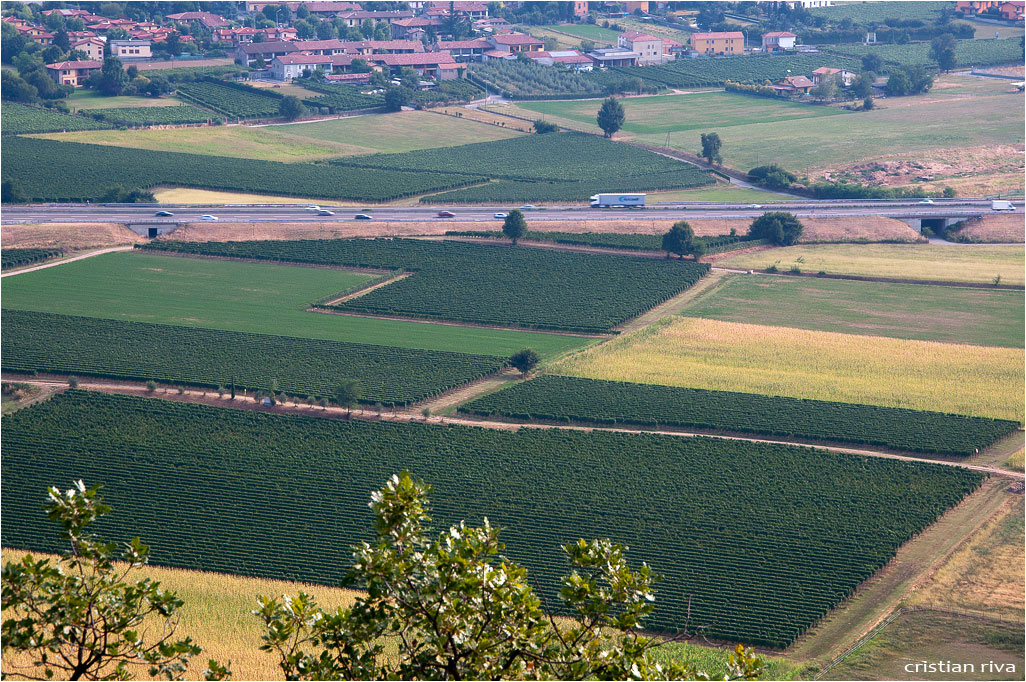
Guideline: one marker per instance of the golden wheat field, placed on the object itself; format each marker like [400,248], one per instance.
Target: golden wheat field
[217,615]
[729,356]
[978,263]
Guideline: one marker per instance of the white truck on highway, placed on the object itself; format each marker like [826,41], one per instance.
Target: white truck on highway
[1000,205]
[618,201]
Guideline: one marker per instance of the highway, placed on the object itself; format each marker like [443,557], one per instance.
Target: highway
[145,214]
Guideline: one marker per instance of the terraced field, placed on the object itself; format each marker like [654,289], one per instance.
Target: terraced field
[760,552]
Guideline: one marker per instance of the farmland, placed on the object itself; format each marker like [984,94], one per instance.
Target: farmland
[148,116]
[903,261]
[30,162]
[696,73]
[672,113]
[12,258]
[863,13]
[904,311]
[619,240]
[41,342]
[608,402]
[19,119]
[305,480]
[967,53]
[339,98]
[236,101]
[84,98]
[746,358]
[256,298]
[476,282]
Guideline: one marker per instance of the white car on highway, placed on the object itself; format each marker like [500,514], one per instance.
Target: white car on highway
[927,201]
[500,215]
[208,218]
[312,208]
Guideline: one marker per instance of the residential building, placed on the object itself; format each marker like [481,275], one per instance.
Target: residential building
[439,65]
[348,78]
[604,57]
[572,59]
[632,7]
[287,67]
[975,6]
[723,42]
[793,85]
[403,29]
[580,9]
[206,18]
[73,73]
[357,17]
[379,46]
[319,8]
[515,42]
[841,76]
[465,50]
[92,47]
[673,48]
[472,10]
[321,47]
[67,13]
[130,49]
[648,48]
[778,40]
[491,24]
[248,54]
[1012,11]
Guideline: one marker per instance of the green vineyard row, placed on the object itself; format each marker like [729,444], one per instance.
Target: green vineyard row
[612,402]
[12,258]
[756,541]
[483,283]
[18,119]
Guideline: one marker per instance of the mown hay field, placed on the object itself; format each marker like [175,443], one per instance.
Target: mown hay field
[902,261]
[66,235]
[730,356]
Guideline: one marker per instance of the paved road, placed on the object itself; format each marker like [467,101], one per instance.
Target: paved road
[192,213]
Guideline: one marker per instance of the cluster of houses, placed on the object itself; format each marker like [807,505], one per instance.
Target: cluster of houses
[1009,11]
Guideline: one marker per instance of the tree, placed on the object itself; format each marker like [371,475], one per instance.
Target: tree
[452,607]
[897,83]
[61,40]
[872,62]
[11,193]
[610,116]
[326,31]
[524,360]
[541,127]
[302,12]
[347,393]
[587,45]
[173,43]
[942,51]
[862,86]
[825,88]
[14,88]
[711,145]
[514,226]
[867,104]
[396,97]
[679,240]
[290,108]
[112,77]
[79,617]
[780,227]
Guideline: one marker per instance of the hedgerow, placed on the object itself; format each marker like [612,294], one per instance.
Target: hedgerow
[568,398]
[138,351]
[12,258]
[483,283]
[755,541]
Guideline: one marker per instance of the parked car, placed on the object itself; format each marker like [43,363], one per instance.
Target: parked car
[164,214]
[527,207]
[325,211]
[926,201]
[313,208]
[500,215]
[208,218]
[363,216]
[446,214]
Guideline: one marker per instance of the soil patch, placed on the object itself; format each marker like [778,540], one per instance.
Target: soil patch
[1004,228]
[68,236]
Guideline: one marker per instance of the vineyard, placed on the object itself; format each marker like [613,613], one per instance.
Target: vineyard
[516,80]
[152,116]
[12,258]
[483,283]
[30,162]
[864,13]
[967,53]
[700,72]
[760,540]
[233,101]
[136,351]
[18,119]
[553,167]
[460,90]
[610,402]
[339,98]
[615,240]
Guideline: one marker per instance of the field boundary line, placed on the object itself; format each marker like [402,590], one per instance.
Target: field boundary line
[874,278]
[371,286]
[62,261]
[459,323]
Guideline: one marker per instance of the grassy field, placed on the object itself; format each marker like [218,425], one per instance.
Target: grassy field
[563,41]
[591,32]
[217,615]
[905,261]
[931,636]
[728,356]
[985,575]
[986,31]
[663,114]
[717,192]
[903,311]
[248,297]
[307,141]
[92,99]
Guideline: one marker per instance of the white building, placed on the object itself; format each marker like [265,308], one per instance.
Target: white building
[287,67]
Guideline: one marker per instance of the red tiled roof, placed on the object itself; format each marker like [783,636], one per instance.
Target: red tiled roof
[348,77]
[440,58]
[779,34]
[333,44]
[299,58]
[717,36]
[463,44]
[515,39]
[573,59]
[81,64]
[418,21]
[206,18]
[497,53]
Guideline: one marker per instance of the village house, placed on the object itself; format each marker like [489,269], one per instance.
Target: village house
[471,10]
[778,40]
[515,42]
[793,85]
[406,29]
[571,59]
[465,50]
[288,67]
[724,42]
[438,65]
[248,54]
[73,73]
[130,49]
[92,47]
[648,48]
[357,17]
[604,57]
[841,76]
[1012,11]
[206,18]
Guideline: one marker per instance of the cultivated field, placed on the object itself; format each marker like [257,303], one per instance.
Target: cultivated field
[246,297]
[903,311]
[911,261]
[84,98]
[729,356]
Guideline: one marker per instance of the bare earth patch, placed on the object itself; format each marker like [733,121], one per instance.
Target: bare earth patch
[816,229]
[67,235]
[1006,228]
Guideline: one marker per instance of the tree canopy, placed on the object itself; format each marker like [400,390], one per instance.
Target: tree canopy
[514,226]
[780,227]
[711,145]
[679,240]
[525,360]
[290,108]
[942,51]
[610,116]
